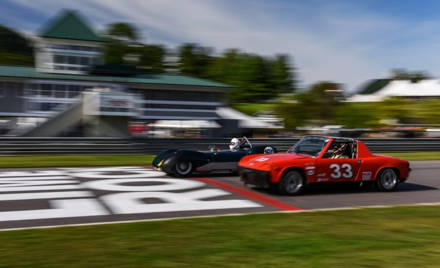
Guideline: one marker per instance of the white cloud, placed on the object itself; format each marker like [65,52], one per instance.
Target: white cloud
[337,42]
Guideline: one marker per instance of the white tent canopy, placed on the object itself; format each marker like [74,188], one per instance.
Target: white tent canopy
[245,121]
[402,88]
[184,124]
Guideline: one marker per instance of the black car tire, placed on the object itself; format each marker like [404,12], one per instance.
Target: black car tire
[387,180]
[292,183]
[183,168]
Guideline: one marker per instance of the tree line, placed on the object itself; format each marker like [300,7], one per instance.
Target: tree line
[255,78]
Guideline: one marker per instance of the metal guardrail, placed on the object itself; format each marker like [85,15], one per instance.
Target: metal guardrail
[77,146]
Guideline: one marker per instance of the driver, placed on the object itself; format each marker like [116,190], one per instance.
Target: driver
[340,152]
[234,145]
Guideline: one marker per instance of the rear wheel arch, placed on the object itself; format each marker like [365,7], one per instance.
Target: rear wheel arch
[387,179]
[386,167]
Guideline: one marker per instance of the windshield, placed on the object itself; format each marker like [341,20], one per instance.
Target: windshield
[309,146]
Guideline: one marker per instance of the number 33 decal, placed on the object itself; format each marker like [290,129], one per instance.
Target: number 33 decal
[346,171]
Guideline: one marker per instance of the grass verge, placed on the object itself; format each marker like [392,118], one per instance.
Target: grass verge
[416,156]
[373,237]
[74,161]
[132,160]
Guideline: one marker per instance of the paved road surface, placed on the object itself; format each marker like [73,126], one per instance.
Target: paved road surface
[61,196]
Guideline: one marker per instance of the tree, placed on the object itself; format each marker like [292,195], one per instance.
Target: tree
[152,58]
[358,115]
[281,75]
[415,76]
[255,78]
[318,106]
[122,31]
[14,48]
[396,108]
[121,42]
[194,60]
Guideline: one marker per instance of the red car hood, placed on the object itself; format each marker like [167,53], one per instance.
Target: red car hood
[262,161]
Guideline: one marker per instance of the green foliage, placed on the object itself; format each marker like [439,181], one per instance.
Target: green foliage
[114,52]
[415,76]
[123,48]
[255,78]
[426,112]
[152,58]
[14,48]
[396,108]
[281,76]
[122,30]
[318,105]
[357,115]
[292,114]
[254,108]
[194,60]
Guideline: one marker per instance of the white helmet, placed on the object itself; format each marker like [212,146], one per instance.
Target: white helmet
[234,145]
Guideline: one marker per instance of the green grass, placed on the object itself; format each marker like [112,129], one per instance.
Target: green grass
[131,160]
[379,237]
[253,108]
[416,156]
[74,161]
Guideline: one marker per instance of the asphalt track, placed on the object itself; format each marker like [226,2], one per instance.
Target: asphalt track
[67,196]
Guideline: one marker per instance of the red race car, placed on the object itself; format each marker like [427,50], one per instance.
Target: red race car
[318,159]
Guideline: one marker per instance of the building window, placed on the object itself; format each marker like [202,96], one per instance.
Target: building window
[2,89]
[72,60]
[60,91]
[84,60]
[46,90]
[73,91]
[60,59]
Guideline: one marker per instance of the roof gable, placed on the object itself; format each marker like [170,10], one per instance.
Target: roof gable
[69,25]
[373,86]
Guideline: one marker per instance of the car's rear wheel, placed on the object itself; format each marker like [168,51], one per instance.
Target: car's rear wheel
[184,168]
[292,183]
[387,180]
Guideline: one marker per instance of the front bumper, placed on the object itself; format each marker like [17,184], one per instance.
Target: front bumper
[254,177]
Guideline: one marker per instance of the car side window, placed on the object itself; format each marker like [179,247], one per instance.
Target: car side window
[340,149]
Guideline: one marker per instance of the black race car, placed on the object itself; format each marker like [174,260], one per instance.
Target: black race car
[182,163]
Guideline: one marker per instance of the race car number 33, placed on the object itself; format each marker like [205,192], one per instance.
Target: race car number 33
[339,171]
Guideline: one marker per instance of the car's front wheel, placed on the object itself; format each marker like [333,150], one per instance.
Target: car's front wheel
[292,183]
[387,180]
[184,168]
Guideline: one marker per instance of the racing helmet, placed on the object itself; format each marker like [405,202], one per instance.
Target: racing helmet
[269,150]
[234,145]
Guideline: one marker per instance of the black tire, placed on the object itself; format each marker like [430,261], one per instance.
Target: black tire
[387,180]
[292,183]
[183,168]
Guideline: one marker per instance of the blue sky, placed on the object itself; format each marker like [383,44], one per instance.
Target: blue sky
[340,40]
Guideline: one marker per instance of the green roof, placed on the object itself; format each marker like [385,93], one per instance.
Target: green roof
[373,86]
[30,72]
[69,25]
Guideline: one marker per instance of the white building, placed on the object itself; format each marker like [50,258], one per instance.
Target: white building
[429,88]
